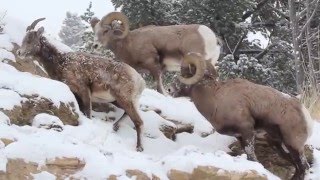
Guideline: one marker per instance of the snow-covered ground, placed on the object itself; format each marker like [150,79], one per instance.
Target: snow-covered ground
[104,151]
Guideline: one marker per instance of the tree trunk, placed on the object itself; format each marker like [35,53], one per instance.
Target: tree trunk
[296,50]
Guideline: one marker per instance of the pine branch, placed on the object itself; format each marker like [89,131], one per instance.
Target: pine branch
[258,8]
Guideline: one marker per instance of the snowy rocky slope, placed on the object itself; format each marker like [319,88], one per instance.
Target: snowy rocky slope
[57,141]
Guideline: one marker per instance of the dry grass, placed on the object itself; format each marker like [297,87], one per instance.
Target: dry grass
[311,99]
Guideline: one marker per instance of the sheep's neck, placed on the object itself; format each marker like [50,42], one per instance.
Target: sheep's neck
[51,59]
[117,46]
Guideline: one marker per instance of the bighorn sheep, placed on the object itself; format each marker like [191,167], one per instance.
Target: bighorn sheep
[238,107]
[90,78]
[154,48]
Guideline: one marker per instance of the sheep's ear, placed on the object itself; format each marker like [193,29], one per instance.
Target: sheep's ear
[40,31]
[94,21]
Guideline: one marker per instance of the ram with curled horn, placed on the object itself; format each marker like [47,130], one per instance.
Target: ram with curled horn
[90,78]
[238,108]
[154,48]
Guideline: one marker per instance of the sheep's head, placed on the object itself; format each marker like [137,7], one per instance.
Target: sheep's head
[192,70]
[31,44]
[111,27]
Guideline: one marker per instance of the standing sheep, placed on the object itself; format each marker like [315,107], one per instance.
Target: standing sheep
[154,48]
[90,78]
[238,107]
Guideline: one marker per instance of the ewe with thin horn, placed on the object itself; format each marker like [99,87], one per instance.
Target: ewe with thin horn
[155,48]
[34,23]
[238,107]
[90,78]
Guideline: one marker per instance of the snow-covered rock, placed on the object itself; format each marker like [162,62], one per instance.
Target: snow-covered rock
[4,119]
[47,121]
[24,95]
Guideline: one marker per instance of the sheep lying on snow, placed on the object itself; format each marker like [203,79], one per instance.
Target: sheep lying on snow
[154,48]
[90,78]
[238,107]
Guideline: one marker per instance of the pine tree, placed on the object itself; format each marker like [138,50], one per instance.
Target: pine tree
[72,31]
[148,12]
[88,35]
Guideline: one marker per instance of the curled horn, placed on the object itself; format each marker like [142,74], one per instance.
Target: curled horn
[33,25]
[200,65]
[107,21]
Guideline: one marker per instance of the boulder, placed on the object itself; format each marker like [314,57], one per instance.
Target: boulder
[210,172]
[178,175]
[135,174]
[269,158]
[33,105]
[60,167]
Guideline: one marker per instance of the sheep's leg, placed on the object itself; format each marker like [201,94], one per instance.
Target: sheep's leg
[156,73]
[85,97]
[116,124]
[300,162]
[132,112]
[247,141]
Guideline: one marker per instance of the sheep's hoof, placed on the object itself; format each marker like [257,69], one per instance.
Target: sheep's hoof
[139,148]
[116,127]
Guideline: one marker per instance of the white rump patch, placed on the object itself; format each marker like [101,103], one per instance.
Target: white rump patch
[308,119]
[172,64]
[102,96]
[212,48]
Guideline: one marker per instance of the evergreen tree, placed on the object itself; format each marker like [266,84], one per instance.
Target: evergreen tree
[72,30]
[88,35]
[148,12]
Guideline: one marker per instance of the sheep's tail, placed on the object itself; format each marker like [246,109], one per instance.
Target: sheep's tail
[308,119]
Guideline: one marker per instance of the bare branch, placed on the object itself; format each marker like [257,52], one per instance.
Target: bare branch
[239,43]
[309,20]
[258,8]
[228,46]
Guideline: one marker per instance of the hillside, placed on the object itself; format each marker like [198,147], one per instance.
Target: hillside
[43,135]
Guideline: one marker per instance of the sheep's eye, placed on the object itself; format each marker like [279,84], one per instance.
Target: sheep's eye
[105,32]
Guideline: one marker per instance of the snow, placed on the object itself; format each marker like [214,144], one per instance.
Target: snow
[6,55]
[9,99]
[44,175]
[94,140]
[4,119]
[314,139]
[316,166]
[176,107]
[59,45]
[14,31]
[258,39]
[46,120]
[20,82]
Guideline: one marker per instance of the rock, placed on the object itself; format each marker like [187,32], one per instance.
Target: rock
[168,131]
[209,173]
[6,141]
[178,175]
[269,158]
[112,177]
[33,105]
[62,168]
[204,173]
[139,175]
[47,121]
[65,163]
[4,119]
